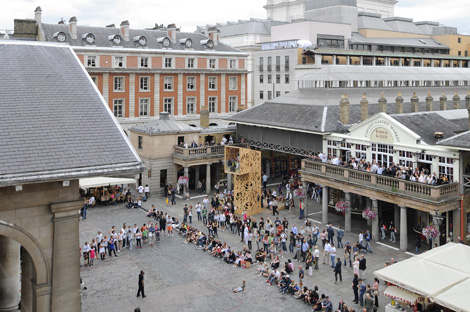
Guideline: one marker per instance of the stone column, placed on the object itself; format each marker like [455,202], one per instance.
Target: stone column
[229,181]
[27,275]
[347,215]
[369,206]
[324,214]
[65,259]
[435,240]
[375,222]
[186,171]
[196,173]
[396,216]
[208,179]
[403,230]
[9,274]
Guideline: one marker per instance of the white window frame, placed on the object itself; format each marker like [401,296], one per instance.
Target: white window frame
[212,101]
[212,66]
[116,104]
[191,62]
[122,87]
[141,80]
[167,84]
[119,60]
[193,84]
[232,63]
[191,100]
[212,83]
[94,59]
[168,101]
[232,103]
[233,85]
[146,60]
[170,59]
[144,107]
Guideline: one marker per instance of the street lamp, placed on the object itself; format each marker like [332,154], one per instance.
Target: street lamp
[439,217]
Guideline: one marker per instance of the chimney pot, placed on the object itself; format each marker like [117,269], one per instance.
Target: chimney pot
[125,30]
[399,103]
[443,102]
[164,116]
[204,117]
[37,14]
[344,109]
[382,103]
[456,100]
[414,103]
[214,34]
[364,107]
[429,102]
[73,27]
[172,32]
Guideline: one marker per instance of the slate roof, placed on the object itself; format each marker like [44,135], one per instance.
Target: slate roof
[401,42]
[54,123]
[372,21]
[318,111]
[402,24]
[244,27]
[102,33]
[461,140]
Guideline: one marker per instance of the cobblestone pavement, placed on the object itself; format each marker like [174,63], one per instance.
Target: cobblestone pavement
[179,277]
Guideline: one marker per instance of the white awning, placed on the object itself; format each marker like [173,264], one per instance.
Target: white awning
[401,295]
[456,298]
[104,181]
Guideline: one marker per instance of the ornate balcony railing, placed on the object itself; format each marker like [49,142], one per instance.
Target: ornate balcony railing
[381,182]
[202,152]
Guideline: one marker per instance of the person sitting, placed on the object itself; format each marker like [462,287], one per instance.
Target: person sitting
[240,289]
[263,269]
[275,263]
[273,277]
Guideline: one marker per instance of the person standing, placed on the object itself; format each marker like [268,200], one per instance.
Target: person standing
[198,211]
[147,191]
[392,231]
[367,239]
[332,254]
[355,287]
[339,237]
[337,271]
[375,289]
[362,267]
[265,180]
[362,291]
[301,211]
[331,233]
[185,213]
[141,285]
[368,303]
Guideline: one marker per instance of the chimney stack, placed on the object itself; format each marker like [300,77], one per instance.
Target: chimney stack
[164,116]
[172,32]
[364,107]
[382,103]
[214,34]
[456,100]
[467,103]
[125,30]
[204,117]
[443,102]
[399,101]
[73,27]
[344,109]
[429,102]
[414,103]
[37,14]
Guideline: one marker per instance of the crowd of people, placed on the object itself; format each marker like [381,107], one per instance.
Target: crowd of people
[421,175]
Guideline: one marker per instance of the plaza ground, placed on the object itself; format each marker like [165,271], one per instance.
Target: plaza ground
[179,277]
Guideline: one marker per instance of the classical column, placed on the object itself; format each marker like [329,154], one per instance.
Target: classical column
[229,181]
[403,230]
[9,274]
[396,216]
[27,275]
[347,215]
[208,179]
[324,214]
[65,258]
[369,206]
[375,222]
[196,173]
[435,240]
[186,171]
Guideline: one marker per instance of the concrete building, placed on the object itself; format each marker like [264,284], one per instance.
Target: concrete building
[404,117]
[142,72]
[57,129]
[160,144]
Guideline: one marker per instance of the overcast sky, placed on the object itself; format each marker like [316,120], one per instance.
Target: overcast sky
[190,13]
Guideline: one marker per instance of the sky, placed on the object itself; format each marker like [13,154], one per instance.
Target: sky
[188,14]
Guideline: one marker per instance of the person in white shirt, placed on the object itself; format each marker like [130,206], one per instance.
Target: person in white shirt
[147,191]
[326,252]
[141,189]
[205,202]
[198,211]
[332,255]
[91,200]
[99,239]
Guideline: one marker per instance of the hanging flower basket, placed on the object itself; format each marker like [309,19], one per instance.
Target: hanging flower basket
[430,232]
[369,214]
[183,180]
[341,206]
[299,194]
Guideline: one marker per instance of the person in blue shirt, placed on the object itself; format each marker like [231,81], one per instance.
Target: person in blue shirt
[362,291]
[367,239]
[327,305]
[339,237]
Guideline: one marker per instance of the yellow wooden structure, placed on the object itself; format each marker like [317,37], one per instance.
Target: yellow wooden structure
[245,165]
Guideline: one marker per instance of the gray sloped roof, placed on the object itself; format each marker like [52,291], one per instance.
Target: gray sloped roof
[102,33]
[162,126]
[401,42]
[461,140]
[372,21]
[54,123]
[317,110]
[404,25]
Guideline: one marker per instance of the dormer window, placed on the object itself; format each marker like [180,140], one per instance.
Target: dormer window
[165,41]
[115,39]
[141,40]
[208,43]
[89,38]
[60,36]
[188,43]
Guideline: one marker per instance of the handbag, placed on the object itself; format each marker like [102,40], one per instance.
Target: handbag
[375,293]
[167,200]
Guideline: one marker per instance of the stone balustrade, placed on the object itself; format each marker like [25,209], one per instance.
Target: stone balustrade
[381,182]
[202,152]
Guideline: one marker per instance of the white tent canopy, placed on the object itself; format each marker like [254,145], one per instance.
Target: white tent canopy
[441,274]
[400,294]
[104,181]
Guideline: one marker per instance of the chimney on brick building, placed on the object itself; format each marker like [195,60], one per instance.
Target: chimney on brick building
[467,103]
[382,103]
[172,32]
[456,100]
[214,34]
[125,30]
[429,102]
[204,117]
[364,107]
[37,14]
[443,102]
[399,103]
[164,116]
[414,103]
[73,27]
[344,109]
